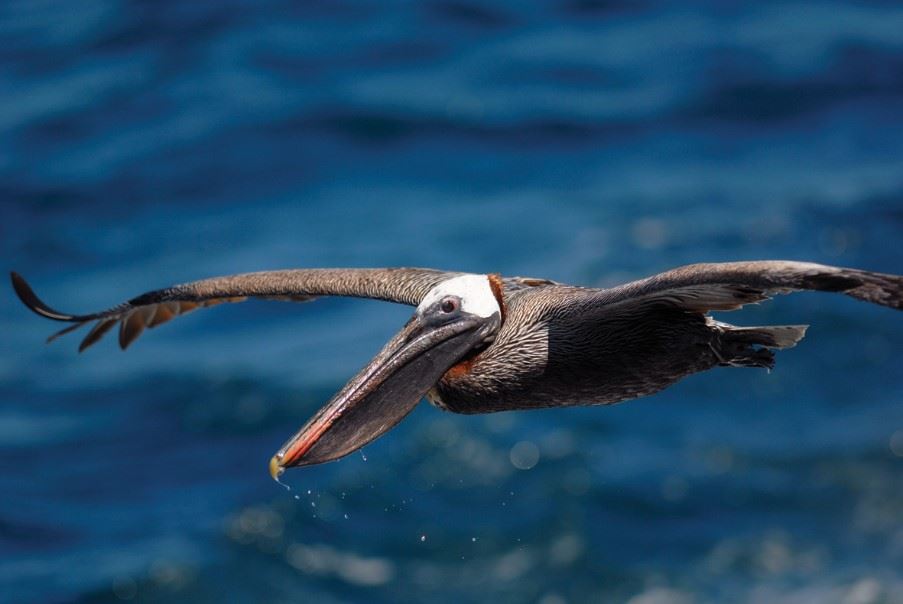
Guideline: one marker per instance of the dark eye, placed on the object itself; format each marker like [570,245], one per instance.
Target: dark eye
[448,305]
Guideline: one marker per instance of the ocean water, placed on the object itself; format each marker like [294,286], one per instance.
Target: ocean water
[588,141]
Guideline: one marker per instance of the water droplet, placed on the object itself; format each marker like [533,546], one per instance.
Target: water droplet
[422,538]
[896,443]
[308,491]
[313,504]
[524,455]
[346,516]
[473,539]
[297,496]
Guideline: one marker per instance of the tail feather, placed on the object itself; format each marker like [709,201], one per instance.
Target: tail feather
[753,346]
[770,336]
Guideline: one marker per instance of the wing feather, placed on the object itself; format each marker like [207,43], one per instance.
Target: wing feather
[402,285]
[97,332]
[166,311]
[730,285]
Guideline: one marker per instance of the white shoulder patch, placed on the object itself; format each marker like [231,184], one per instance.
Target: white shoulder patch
[475,293]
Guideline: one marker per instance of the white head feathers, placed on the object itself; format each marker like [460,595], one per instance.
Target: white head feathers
[474,291]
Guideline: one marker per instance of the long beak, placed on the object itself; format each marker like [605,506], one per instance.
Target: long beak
[385,391]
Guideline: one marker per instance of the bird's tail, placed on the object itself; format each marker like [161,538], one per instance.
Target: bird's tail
[753,346]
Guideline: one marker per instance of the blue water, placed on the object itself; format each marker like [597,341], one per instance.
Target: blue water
[148,143]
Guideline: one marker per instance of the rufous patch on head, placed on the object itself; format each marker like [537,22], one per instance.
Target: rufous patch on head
[497,287]
[460,369]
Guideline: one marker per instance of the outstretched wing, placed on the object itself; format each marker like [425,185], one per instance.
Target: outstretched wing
[402,285]
[730,285]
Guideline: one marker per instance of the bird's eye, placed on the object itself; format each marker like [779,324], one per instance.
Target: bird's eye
[449,305]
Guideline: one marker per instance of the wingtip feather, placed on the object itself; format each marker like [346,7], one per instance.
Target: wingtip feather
[65,330]
[879,288]
[97,332]
[36,305]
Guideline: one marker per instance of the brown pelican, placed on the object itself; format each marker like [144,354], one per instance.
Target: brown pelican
[484,343]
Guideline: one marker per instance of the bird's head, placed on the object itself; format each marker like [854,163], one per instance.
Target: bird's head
[456,319]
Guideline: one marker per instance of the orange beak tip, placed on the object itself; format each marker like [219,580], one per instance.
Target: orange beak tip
[276,468]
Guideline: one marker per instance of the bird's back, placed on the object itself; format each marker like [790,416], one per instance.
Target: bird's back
[559,347]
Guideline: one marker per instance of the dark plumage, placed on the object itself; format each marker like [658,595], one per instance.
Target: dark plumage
[479,344]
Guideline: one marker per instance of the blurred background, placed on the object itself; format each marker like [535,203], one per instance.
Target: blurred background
[587,141]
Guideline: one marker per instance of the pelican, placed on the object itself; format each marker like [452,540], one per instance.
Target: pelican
[480,343]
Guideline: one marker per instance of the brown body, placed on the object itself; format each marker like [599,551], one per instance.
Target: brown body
[557,348]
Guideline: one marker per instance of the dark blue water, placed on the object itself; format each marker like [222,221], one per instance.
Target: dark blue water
[148,143]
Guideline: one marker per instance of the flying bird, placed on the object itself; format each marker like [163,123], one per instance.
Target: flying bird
[479,343]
